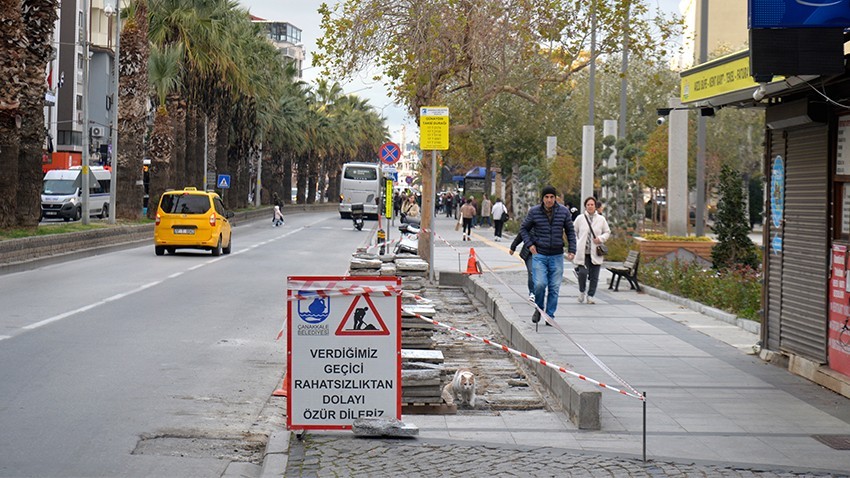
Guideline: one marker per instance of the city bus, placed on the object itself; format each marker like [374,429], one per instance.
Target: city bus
[360,183]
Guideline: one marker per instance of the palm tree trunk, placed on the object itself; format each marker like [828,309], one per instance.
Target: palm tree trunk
[38,18]
[287,177]
[222,140]
[11,69]
[312,173]
[161,150]
[132,113]
[177,110]
[301,178]
[212,143]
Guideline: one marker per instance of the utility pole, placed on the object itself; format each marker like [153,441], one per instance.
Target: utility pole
[84,170]
[588,137]
[703,57]
[111,10]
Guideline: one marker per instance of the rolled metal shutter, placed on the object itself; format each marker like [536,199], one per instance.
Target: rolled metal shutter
[773,259]
[805,255]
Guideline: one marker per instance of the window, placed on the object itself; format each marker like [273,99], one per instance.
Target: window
[185,203]
[79,103]
[361,173]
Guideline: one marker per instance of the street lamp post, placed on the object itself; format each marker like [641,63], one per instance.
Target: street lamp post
[113,7]
[84,167]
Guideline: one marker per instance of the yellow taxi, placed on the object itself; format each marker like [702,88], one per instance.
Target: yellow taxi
[192,219]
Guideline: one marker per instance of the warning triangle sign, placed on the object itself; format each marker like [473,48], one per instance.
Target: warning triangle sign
[363,320]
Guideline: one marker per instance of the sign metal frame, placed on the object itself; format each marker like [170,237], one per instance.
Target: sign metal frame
[340,367]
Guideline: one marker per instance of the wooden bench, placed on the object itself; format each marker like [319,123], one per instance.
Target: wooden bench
[627,269]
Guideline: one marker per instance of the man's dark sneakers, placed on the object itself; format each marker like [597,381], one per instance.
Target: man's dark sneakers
[536,317]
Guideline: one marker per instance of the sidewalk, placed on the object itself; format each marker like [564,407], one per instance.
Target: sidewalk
[708,398]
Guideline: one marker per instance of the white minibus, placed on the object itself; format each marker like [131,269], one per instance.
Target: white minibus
[62,196]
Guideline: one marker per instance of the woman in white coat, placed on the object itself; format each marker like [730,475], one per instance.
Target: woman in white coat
[587,261]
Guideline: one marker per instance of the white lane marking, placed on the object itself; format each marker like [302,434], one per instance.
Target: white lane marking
[89,306]
[5,337]
[121,295]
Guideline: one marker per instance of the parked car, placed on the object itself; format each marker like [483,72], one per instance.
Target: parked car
[192,219]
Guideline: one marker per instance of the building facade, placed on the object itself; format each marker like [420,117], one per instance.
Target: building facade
[287,39]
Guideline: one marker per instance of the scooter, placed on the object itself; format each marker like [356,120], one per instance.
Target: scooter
[409,239]
[357,216]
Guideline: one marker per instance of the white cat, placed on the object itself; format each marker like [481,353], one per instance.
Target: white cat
[463,387]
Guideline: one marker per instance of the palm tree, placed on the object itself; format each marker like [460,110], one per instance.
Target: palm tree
[11,70]
[164,73]
[132,109]
[38,18]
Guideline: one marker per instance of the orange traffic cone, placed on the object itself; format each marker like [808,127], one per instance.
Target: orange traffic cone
[472,266]
[281,392]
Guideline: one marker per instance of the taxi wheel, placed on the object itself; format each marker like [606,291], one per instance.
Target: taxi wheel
[229,247]
[217,249]
[159,250]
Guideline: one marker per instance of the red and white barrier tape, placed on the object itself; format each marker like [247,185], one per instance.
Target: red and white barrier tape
[326,290]
[557,326]
[524,355]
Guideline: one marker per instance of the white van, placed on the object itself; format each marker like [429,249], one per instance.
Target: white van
[62,196]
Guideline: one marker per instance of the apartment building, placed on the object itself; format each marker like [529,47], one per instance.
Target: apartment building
[286,38]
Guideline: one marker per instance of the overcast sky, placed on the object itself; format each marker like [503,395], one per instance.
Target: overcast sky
[304,15]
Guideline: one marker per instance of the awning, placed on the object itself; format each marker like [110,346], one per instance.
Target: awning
[727,81]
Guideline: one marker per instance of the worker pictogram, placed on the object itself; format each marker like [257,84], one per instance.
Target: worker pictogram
[362,320]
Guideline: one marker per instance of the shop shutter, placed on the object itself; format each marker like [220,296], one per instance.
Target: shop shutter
[805,247]
[773,260]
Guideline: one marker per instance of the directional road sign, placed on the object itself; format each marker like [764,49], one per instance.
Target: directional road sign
[390,153]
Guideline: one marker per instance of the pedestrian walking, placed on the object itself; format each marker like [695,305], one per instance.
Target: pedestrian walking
[467,212]
[591,230]
[543,231]
[486,208]
[500,214]
[525,255]
[277,220]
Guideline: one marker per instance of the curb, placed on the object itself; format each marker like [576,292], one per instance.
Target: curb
[27,253]
[747,325]
[578,398]
[276,456]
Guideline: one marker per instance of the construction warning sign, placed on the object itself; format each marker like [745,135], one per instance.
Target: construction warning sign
[343,350]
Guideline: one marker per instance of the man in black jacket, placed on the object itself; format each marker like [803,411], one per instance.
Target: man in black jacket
[543,232]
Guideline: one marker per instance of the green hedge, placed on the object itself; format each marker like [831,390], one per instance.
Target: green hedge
[737,291]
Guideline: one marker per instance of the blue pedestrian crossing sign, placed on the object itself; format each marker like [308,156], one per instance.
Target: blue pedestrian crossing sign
[223,181]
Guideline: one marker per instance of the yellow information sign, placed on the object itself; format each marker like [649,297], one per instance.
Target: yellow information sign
[717,77]
[388,212]
[434,128]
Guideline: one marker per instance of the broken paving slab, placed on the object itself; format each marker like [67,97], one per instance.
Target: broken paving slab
[390,427]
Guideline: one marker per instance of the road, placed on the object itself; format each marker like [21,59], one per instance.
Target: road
[135,365]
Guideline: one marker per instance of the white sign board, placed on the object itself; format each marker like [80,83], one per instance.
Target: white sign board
[551,146]
[344,351]
[842,148]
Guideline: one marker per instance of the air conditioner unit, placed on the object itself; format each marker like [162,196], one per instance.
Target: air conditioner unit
[96,132]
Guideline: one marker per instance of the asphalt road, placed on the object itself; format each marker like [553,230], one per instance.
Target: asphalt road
[135,365]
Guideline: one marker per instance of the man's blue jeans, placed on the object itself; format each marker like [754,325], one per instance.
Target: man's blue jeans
[548,274]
